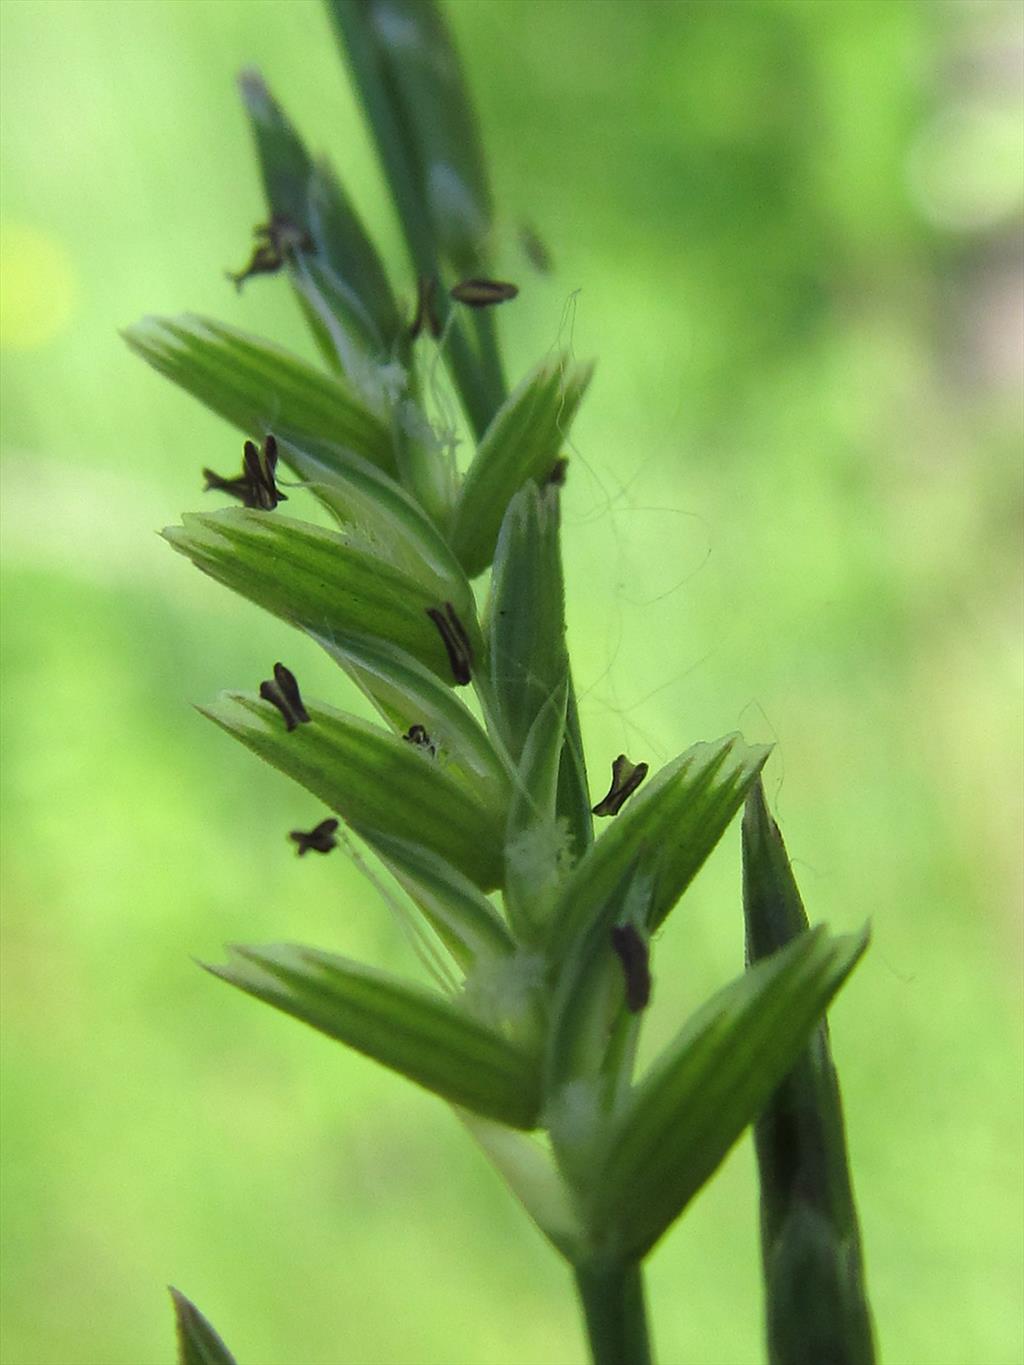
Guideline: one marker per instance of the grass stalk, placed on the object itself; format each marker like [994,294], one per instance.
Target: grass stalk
[612,1298]
[532,1025]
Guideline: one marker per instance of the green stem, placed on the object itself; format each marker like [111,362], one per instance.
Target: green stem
[612,1298]
[482,394]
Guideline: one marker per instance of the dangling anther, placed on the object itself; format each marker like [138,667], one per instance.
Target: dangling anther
[426,314]
[631,951]
[275,241]
[283,692]
[456,642]
[557,473]
[320,839]
[255,486]
[626,777]
[478,293]
[236,488]
[417,736]
[263,261]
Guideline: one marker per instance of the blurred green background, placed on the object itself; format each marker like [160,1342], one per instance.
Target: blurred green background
[789,232]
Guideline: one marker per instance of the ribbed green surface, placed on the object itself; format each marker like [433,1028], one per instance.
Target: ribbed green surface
[523,441]
[671,825]
[373,779]
[257,386]
[422,1035]
[315,578]
[815,1299]
[706,1087]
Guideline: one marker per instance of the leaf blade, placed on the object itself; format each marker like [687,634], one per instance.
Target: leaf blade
[362,496]
[527,655]
[536,840]
[416,1032]
[198,1342]
[316,579]
[407,694]
[521,443]
[587,1018]
[527,658]
[373,780]
[258,386]
[698,1097]
[671,825]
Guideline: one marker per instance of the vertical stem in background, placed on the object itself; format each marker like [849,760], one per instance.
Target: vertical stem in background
[816,1305]
[413,125]
[612,1298]
[482,395]
[489,355]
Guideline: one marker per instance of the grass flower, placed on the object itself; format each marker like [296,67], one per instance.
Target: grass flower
[471,786]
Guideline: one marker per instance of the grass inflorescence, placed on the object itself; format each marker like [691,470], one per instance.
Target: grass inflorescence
[471,788]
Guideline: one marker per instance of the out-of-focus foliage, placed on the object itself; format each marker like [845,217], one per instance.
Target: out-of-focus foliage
[788,233]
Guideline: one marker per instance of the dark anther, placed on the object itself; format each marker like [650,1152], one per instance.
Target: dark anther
[456,642]
[417,735]
[426,314]
[263,261]
[275,241]
[284,235]
[557,473]
[255,486]
[259,465]
[626,777]
[237,488]
[320,839]
[483,293]
[283,692]
[631,951]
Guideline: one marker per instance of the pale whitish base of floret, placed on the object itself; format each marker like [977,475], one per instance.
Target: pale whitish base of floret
[504,991]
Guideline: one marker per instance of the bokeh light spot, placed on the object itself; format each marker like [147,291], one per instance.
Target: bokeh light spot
[37,287]
[966,168]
